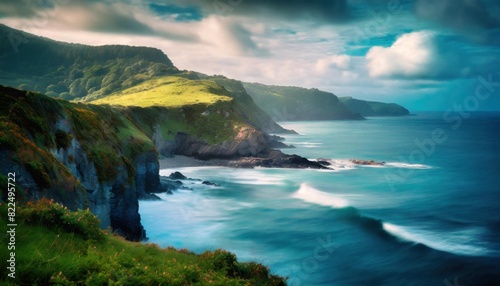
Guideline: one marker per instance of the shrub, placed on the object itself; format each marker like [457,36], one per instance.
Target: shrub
[49,214]
[221,260]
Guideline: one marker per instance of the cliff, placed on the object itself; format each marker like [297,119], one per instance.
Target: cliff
[74,71]
[373,108]
[82,156]
[106,157]
[286,103]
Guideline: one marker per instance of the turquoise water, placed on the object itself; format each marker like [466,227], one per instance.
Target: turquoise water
[430,216]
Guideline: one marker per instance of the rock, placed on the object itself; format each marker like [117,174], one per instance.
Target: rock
[149,197]
[167,185]
[275,159]
[208,183]
[366,162]
[323,162]
[177,176]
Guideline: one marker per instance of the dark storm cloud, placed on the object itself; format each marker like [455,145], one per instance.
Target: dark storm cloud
[321,10]
[331,11]
[112,19]
[480,19]
[16,8]
[98,16]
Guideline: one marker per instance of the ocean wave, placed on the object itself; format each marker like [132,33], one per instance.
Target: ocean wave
[312,195]
[305,144]
[457,242]
[461,242]
[407,165]
[344,164]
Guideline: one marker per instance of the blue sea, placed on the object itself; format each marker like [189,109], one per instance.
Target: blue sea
[429,216]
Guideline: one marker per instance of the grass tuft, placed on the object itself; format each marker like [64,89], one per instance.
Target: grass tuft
[57,246]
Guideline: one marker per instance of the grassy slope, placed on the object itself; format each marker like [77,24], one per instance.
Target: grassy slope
[54,245]
[73,71]
[28,130]
[198,107]
[170,91]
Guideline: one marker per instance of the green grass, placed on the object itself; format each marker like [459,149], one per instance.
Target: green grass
[57,246]
[170,91]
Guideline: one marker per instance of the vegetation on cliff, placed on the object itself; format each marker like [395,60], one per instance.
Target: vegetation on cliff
[286,103]
[373,108]
[58,246]
[74,71]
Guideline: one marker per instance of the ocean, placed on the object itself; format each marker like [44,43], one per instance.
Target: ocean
[429,216]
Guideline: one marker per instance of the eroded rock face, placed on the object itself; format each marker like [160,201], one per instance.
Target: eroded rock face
[114,203]
[147,170]
[248,142]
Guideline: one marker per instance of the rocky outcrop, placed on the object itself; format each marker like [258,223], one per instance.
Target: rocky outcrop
[147,179]
[249,142]
[275,159]
[114,202]
[366,162]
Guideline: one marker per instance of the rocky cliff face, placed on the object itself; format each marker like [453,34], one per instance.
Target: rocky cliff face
[71,153]
[248,142]
[114,203]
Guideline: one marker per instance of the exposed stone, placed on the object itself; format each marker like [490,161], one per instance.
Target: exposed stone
[208,183]
[366,162]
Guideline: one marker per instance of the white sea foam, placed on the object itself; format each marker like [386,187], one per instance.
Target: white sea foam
[312,195]
[462,242]
[408,166]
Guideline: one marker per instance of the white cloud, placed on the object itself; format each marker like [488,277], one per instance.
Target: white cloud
[342,62]
[416,55]
[229,36]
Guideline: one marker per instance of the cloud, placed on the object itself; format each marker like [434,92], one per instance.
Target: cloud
[342,62]
[99,17]
[331,11]
[419,54]
[479,19]
[229,36]
[109,18]
[16,8]
[176,12]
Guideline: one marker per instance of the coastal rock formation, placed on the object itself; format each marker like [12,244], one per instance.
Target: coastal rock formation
[248,142]
[373,108]
[366,162]
[65,152]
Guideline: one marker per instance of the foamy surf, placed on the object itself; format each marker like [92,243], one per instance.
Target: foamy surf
[458,242]
[407,165]
[314,196]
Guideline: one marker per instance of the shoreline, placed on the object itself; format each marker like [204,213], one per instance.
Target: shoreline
[181,161]
[275,159]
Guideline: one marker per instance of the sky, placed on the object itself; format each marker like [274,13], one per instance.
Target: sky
[424,54]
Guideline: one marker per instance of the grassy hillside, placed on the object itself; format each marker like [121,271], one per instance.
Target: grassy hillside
[72,71]
[170,91]
[250,111]
[373,108]
[286,103]
[57,246]
[29,129]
